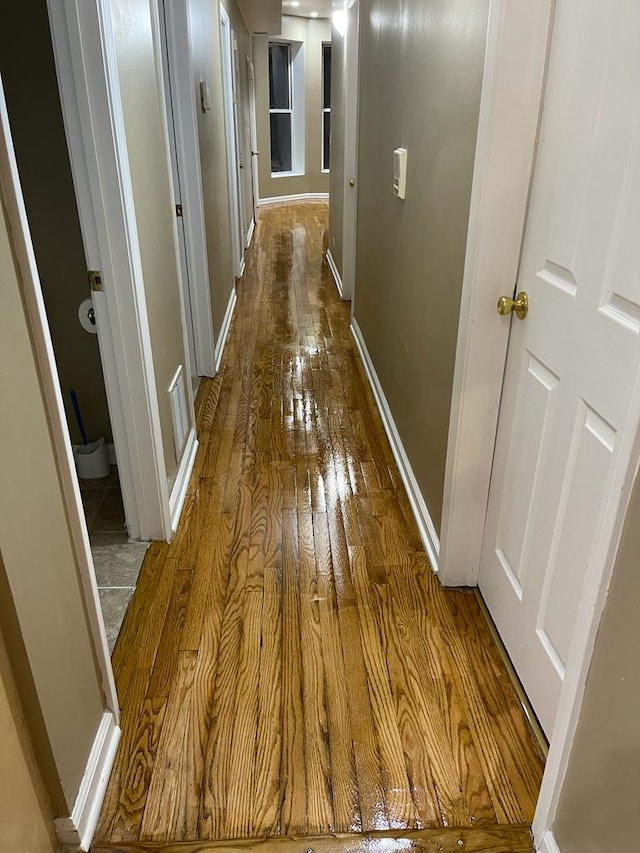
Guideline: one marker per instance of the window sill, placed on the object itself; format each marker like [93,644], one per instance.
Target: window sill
[287,174]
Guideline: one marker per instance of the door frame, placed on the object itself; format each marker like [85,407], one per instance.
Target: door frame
[351,118]
[517,47]
[226,49]
[240,140]
[166,33]
[84,52]
[185,124]
[515,62]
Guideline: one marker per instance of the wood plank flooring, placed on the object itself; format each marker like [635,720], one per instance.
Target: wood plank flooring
[289,665]
[512,839]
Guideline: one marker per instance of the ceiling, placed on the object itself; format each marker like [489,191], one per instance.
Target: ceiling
[262,16]
[305,7]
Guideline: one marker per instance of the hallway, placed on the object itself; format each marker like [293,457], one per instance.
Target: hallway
[289,665]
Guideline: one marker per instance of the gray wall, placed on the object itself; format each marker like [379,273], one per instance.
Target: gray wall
[598,808]
[31,90]
[312,33]
[420,82]
[337,177]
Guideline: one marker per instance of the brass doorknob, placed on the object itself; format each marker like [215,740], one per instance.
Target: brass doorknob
[352,182]
[241,165]
[519,305]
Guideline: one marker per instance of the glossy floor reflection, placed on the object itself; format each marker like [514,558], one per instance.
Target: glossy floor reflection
[289,664]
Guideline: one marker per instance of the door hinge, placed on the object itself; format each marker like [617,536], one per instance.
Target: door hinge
[95,280]
[178,210]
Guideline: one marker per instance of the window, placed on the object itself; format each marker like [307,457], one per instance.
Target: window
[326,106]
[280,107]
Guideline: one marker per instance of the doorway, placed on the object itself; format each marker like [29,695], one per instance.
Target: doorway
[253,141]
[184,149]
[520,35]
[234,159]
[350,19]
[571,407]
[51,207]
[165,36]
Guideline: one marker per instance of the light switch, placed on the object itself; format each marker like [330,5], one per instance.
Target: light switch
[400,172]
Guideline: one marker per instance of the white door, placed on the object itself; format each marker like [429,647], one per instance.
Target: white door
[570,401]
[232,159]
[177,191]
[350,150]
[253,138]
[238,126]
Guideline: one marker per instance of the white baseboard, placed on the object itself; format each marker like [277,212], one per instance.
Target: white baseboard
[181,484]
[224,331]
[427,530]
[334,272]
[252,228]
[77,831]
[242,268]
[548,843]
[283,199]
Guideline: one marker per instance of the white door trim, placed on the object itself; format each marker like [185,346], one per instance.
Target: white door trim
[88,79]
[515,62]
[39,328]
[517,47]
[226,46]
[188,152]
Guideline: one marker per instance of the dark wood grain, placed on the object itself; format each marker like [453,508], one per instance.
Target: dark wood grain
[289,666]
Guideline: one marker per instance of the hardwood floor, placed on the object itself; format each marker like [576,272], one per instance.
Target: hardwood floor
[497,839]
[289,665]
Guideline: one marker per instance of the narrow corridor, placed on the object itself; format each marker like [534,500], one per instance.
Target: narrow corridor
[289,665]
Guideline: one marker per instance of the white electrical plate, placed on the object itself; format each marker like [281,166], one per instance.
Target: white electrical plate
[400,172]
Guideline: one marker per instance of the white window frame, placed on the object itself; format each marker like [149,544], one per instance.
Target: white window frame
[296,108]
[324,110]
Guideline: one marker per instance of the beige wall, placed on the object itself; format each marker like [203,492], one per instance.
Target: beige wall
[26,815]
[420,81]
[311,33]
[140,78]
[598,808]
[337,178]
[42,586]
[204,28]
[33,102]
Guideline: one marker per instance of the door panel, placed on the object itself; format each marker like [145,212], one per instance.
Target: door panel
[570,393]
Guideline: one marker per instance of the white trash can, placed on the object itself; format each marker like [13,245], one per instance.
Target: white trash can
[92,460]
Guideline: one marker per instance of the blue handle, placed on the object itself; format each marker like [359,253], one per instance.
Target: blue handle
[76,410]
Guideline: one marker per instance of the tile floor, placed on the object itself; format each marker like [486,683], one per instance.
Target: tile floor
[117,560]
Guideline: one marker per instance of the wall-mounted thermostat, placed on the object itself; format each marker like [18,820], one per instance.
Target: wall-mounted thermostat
[400,172]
